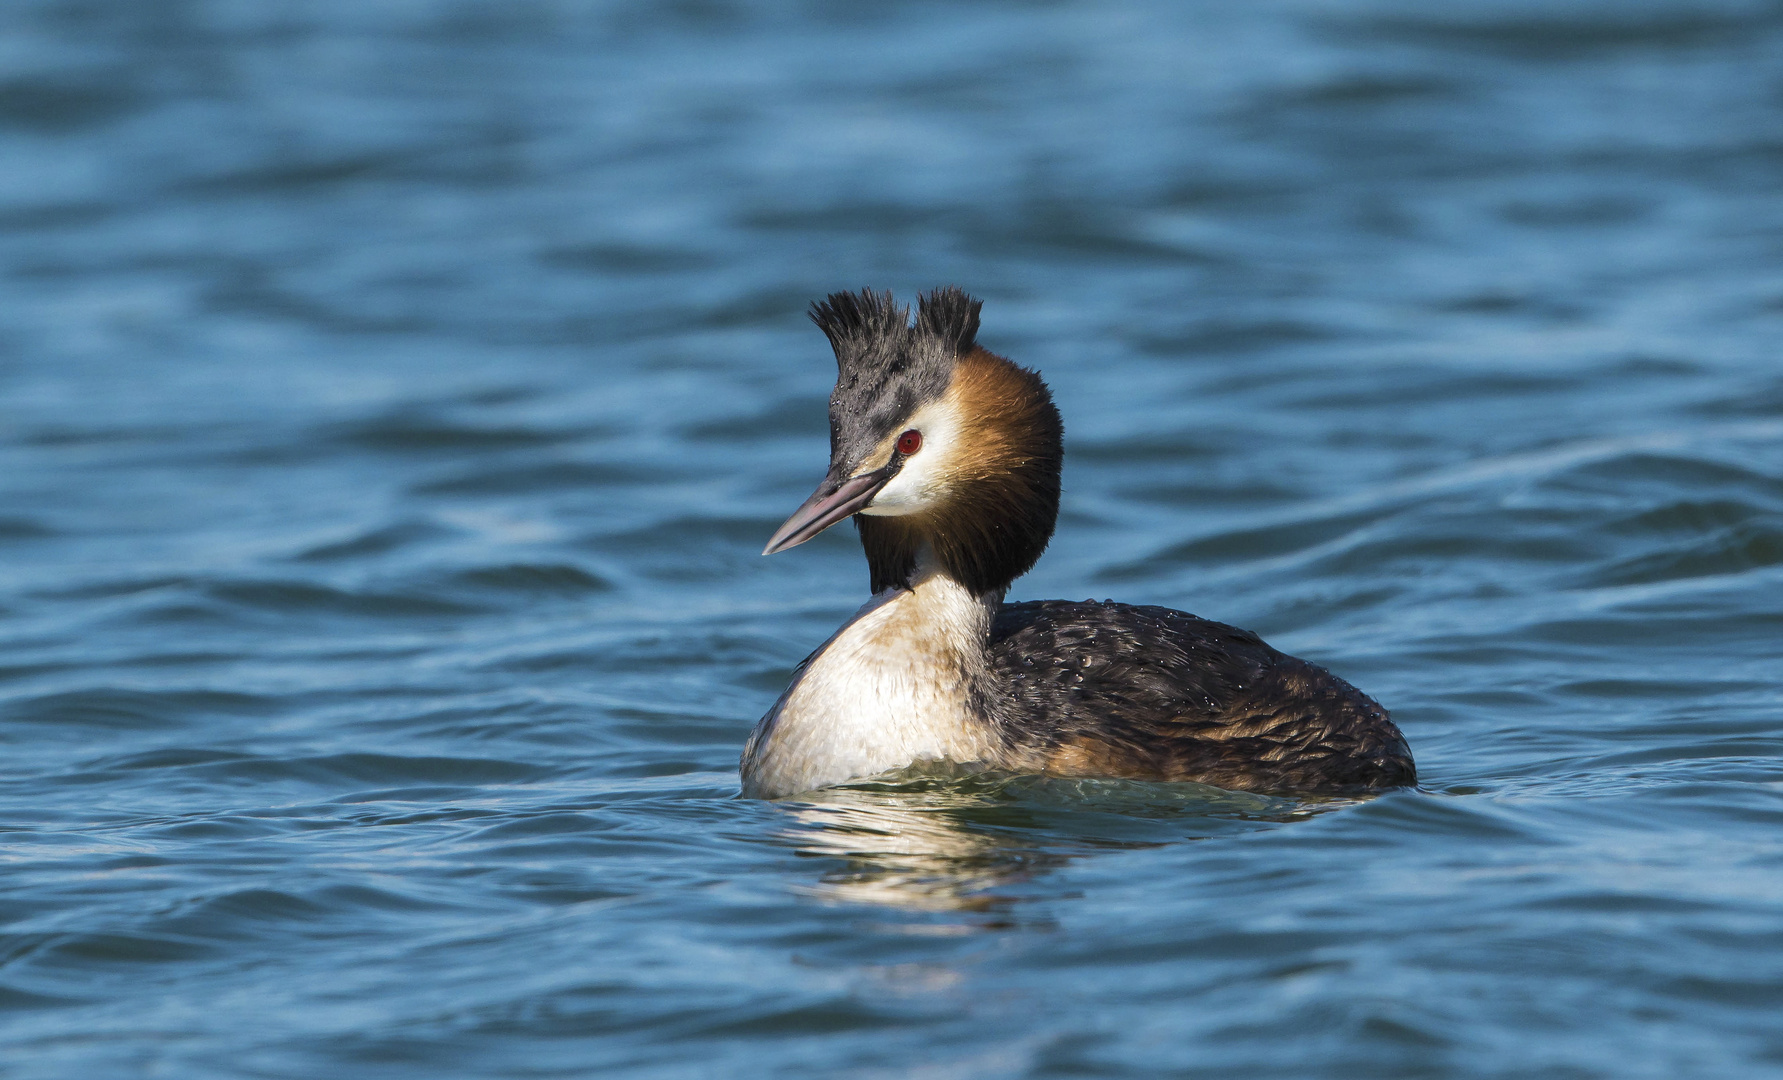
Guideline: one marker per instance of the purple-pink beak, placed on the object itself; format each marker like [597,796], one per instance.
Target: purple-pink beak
[836,498]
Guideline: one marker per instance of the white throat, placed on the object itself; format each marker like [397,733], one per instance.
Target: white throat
[891,688]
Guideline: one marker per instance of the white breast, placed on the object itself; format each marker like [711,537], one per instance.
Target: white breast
[890,689]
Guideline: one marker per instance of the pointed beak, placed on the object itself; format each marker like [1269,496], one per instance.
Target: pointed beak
[836,498]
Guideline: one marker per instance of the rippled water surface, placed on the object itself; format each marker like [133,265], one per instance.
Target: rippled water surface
[394,398]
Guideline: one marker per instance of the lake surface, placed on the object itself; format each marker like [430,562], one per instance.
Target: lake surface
[394,399]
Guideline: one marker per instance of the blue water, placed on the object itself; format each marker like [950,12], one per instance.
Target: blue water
[394,398]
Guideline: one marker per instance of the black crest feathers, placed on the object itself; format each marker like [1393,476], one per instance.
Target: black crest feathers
[863,325]
[951,316]
[884,370]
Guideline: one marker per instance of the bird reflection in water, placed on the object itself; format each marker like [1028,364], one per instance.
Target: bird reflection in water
[950,840]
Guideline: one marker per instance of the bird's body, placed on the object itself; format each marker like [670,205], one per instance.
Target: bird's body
[948,458]
[1107,689]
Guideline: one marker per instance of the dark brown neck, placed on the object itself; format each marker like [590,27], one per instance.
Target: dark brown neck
[983,555]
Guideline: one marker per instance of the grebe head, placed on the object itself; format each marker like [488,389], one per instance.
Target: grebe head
[946,455]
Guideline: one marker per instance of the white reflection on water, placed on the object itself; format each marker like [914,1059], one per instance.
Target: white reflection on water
[917,857]
[921,841]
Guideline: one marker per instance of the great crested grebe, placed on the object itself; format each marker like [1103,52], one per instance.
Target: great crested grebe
[947,456]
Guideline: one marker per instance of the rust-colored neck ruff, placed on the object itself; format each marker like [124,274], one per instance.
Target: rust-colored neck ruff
[1002,486]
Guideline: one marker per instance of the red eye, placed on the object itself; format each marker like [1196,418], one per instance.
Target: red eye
[910,442]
